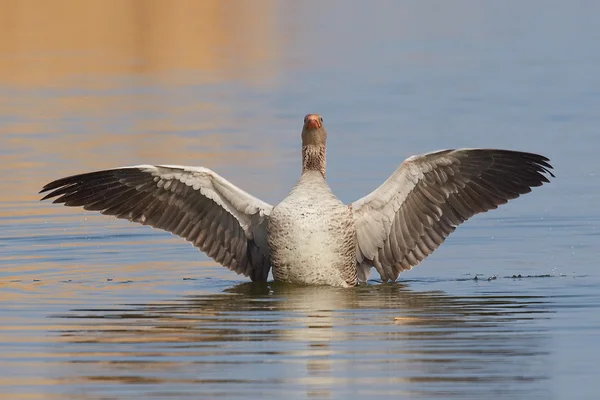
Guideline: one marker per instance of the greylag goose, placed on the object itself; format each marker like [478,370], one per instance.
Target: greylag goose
[311,237]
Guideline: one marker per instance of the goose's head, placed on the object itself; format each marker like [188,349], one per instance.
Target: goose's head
[313,131]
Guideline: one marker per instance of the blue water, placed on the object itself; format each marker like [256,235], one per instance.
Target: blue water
[98,308]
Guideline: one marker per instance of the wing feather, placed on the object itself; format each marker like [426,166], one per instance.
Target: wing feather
[228,224]
[411,214]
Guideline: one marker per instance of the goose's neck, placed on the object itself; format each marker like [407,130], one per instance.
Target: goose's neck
[313,159]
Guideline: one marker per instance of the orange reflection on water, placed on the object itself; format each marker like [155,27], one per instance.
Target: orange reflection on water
[70,74]
[42,43]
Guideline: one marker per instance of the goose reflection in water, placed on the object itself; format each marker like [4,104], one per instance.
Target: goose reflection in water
[384,339]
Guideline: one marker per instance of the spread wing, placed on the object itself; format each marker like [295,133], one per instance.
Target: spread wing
[225,222]
[428,196]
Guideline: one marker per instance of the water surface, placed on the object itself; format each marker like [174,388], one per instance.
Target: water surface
[98,308]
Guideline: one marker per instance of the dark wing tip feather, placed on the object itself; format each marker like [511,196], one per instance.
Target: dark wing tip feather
[73,179]
[71,184]
[530,162]
[539,162]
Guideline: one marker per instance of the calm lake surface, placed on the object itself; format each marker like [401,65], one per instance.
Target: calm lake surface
[98,308]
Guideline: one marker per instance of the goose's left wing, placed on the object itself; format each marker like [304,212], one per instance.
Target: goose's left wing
[428,196]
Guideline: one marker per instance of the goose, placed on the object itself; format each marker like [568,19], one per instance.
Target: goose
[311,237]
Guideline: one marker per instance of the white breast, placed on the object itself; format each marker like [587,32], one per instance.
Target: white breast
[311,237]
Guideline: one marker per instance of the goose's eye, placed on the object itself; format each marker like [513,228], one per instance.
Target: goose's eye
[321,119]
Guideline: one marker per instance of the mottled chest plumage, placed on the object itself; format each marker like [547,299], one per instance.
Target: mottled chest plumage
[312,237]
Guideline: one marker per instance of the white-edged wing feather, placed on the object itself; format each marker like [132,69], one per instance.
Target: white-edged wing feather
[410,215]
[225,222]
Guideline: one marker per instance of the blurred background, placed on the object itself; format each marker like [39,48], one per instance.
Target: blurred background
[94,307]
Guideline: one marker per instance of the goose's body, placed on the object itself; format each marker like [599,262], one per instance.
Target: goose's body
[311,237]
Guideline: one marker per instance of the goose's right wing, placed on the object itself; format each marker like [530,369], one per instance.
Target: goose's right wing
[225,222]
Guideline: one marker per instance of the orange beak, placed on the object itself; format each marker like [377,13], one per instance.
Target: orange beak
[313,123]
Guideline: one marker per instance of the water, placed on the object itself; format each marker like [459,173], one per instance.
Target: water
[94,307]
